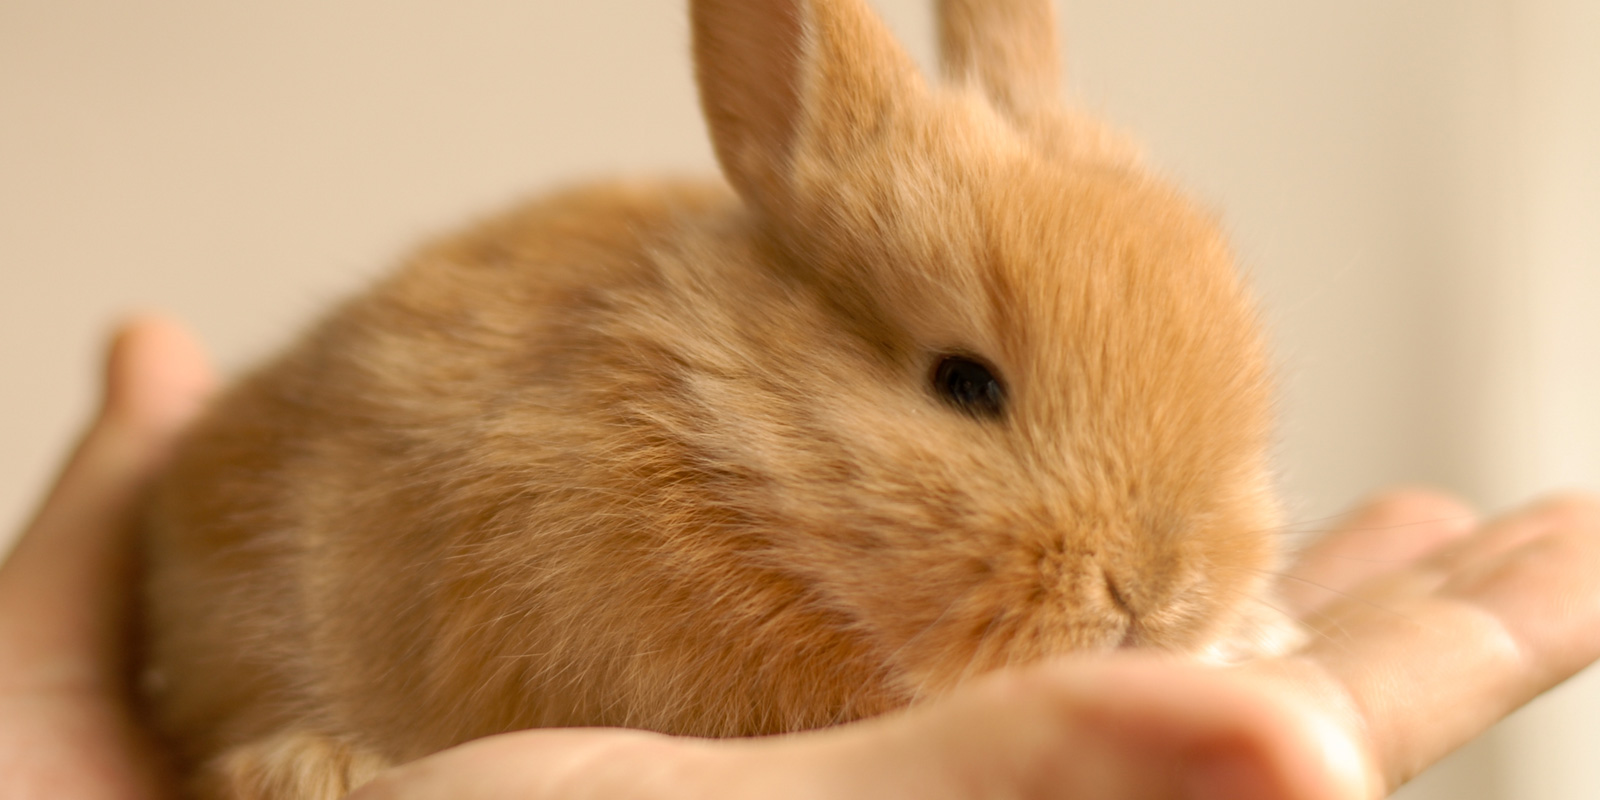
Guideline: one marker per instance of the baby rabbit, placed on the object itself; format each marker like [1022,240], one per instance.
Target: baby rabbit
[946,382]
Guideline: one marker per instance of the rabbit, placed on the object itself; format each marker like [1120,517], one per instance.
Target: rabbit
[943,379]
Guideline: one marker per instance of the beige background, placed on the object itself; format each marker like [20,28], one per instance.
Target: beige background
[1414,186]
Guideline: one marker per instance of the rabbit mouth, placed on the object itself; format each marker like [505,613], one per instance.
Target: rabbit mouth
[1130,639]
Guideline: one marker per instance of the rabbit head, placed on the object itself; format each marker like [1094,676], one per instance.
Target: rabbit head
[1027,411]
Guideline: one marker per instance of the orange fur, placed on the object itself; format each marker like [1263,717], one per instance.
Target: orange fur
[666,456]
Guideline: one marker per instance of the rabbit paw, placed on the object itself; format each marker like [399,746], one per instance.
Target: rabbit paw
[289,766]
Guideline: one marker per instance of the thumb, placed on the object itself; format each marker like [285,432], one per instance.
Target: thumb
[1110,728]
[64,588]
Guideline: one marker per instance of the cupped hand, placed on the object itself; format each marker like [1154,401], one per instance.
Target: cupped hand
[1427,626]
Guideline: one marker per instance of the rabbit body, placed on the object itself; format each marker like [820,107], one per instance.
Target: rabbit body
[673,456]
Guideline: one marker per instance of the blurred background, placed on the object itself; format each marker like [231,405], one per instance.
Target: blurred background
[1413,186]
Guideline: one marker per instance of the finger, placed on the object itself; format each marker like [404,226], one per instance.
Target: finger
[1432,655]
[1108,729]
[1386,533]
[1489,545]
[64,589]
[157,377]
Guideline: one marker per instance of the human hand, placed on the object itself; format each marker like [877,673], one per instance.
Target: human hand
[1427,627]
[67,729]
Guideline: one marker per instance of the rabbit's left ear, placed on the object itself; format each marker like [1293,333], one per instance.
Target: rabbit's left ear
[1007,47]
[786,80]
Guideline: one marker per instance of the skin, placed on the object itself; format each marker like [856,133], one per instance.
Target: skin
[1428,625]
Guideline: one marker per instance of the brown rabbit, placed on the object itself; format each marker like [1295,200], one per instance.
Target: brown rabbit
[948,382]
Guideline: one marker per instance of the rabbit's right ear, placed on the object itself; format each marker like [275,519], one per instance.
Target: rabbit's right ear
[786,81]
[1007,47]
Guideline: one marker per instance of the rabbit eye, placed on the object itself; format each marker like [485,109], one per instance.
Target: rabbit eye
[970,386]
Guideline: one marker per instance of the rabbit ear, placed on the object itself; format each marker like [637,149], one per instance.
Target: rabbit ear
[1007,47]
[785,79]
